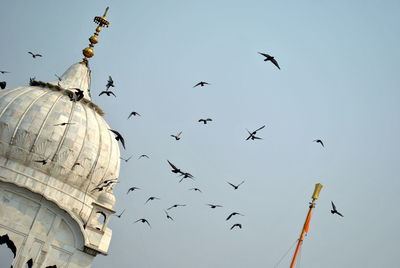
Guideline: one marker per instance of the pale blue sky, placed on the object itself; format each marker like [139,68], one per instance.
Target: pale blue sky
[339,81]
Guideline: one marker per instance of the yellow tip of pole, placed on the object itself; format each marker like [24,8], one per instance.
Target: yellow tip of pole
[317,190]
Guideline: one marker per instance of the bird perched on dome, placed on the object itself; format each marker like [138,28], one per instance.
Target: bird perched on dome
[3,84]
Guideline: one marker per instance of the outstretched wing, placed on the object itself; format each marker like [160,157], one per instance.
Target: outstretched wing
[265,55]
[259,128]
[275,63]
[333,206]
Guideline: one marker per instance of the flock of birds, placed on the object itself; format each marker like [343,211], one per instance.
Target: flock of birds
[108,184]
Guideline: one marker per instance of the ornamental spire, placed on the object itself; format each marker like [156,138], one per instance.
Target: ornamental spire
[101,21]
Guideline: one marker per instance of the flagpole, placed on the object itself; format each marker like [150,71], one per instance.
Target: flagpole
[314,197]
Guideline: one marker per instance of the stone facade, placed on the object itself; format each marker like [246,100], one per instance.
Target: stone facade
[49,210]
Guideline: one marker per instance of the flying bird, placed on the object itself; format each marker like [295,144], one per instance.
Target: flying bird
[195,189]
[3,84]
[270,58]
[132,189]
[214,206]
[35,55]
[174,168]
[236,225]
[110,82]
[134,114]
[127,159]
[4,72]
[118,137]
[59,78]
[143,221]
[108,93]
[151,198]
[168,216]
[63,124]
[105,184]
[235,186]
[175,206]
[319,141]
[144,155]
[233,214]
[77,164]
[205,120]
[119,215]
[252,135]
[177,136]
[334,211]
[43,162]
[202,84]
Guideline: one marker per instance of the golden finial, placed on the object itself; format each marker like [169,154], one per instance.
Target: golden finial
[101,21]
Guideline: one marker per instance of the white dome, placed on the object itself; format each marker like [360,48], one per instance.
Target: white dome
[28,116]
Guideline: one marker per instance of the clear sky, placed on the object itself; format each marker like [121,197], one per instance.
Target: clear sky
[339,82]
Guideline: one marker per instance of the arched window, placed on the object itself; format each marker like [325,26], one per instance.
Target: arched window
[29,264]
[8,250]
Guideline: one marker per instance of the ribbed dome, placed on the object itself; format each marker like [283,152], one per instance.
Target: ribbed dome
[28,116]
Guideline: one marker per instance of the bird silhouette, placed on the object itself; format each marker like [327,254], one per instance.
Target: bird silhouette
[77,164]
[201,83]
[134,114]
[195,189]
[233,214]
[119,215]
[235,186]
[236,225]
[108,93]
[177,136]
[77,95]
[143,220]
[319,141]
[58,77]
[34,55]
[127,159]
[144,155]
[118,137]
[175,206]
[105,184]
[110,82]
[205,120]
[64,124]
[252,135]
[270,58]
[132,189]
[151,198]
[43,162]
[168,216]
[4,72]
[3,84]
[174,168]
[4,239]
[214,206]
[334,211]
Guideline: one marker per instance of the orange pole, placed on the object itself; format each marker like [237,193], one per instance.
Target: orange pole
[303,233]
[314,197]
